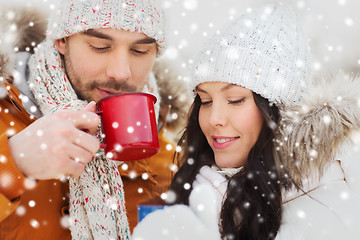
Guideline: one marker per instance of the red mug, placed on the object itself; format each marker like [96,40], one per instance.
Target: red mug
[129,126]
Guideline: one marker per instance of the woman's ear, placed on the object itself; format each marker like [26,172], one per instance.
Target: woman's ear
[60,44]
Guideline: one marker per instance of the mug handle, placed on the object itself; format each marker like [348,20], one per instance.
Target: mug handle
[102,145]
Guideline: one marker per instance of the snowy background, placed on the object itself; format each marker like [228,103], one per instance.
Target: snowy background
[333,28]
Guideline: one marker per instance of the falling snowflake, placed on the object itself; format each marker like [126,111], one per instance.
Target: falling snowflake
[174,116]
[342,2]
[43,146]
[344,195]
[169,197]
[169,147]
[115,125]
[190,4]
[32,203]
[20,210]
[145,176]
[178,149]
[190,161]
[29,183]
[301,214]
[171,53]
[187,186]
[173,167]
[132,174]
[34,223]
[130,129]
[200,207]
[3,159]
[124,166]
[349,22]
[327,120]
[112,203]
[65,222]
[118,147]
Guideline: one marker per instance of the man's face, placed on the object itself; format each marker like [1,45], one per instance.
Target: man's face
[102,62]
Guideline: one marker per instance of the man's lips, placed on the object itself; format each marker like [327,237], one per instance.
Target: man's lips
[223,142]
[107,92]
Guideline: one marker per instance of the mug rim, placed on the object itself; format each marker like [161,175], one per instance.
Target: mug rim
[127,93]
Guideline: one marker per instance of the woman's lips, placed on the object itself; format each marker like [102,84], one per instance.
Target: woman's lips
[223,142]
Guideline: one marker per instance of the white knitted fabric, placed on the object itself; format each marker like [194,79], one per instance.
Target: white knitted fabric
[73,16]
[263,50]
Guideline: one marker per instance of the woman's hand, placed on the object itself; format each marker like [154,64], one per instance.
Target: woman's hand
[197,221]
[216,181]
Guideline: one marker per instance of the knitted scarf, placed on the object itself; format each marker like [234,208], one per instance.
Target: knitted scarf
[97,205]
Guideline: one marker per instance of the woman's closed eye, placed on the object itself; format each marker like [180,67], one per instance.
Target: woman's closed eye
[206,102]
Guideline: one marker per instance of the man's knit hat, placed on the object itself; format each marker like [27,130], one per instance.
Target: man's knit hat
[74,16]
[263,50]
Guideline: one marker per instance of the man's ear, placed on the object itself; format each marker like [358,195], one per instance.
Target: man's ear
[60,44]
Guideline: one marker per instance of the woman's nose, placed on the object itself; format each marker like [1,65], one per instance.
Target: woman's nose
[218,115]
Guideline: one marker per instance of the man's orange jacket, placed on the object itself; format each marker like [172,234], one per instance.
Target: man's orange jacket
[42,211]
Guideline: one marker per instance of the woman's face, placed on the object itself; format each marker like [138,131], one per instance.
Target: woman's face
[230,121]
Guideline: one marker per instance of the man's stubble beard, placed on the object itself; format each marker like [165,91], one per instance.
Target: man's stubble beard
[81,89]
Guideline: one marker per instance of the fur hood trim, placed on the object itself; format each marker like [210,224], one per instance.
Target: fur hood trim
[22,28]
[173,92]
[311,133]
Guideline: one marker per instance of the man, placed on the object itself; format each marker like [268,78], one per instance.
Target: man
[92,50]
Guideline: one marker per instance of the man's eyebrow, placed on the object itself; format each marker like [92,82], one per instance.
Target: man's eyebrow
[145,40]
[97,34]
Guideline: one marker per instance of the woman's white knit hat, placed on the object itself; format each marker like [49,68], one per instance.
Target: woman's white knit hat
[263,50]
[144,16]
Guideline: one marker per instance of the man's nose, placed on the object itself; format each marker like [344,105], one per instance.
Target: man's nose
[119,67]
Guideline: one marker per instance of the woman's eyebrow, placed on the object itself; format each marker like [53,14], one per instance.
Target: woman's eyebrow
[228,86]
[198,89]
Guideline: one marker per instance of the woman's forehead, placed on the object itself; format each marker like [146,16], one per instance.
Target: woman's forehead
[218,86]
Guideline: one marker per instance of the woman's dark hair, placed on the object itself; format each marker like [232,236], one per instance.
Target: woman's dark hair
[252,209]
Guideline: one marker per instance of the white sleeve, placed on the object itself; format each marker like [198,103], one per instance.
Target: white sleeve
[304,218]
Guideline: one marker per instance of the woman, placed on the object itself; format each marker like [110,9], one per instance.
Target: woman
[266,147]
[229,129]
